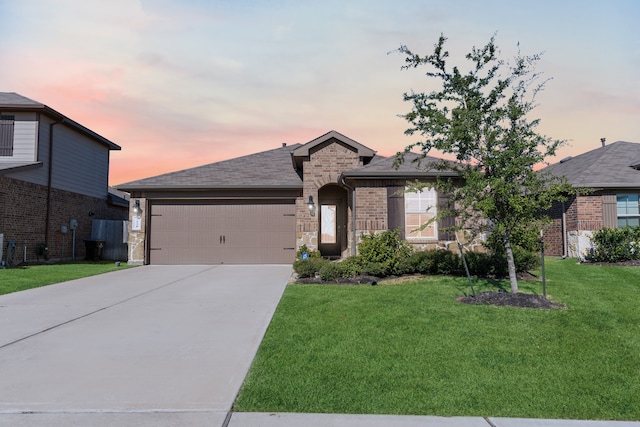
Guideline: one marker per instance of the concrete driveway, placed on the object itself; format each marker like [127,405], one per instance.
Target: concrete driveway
[149,346]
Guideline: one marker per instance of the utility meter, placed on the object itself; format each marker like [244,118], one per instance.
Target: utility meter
[73,224]
[63,229]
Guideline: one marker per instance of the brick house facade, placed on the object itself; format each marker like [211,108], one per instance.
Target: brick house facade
[610,178]
[332,189]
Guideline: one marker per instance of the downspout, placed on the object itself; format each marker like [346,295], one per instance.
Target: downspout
[353,214]
[49,181]
[564,232]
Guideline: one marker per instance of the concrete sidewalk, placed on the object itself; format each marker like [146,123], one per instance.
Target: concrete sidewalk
[337,420]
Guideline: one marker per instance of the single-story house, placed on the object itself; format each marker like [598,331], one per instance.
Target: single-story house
[612,172]
[261,208]
[54,175]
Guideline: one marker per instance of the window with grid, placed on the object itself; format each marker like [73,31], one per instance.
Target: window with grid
[6,135]
[628,210]
[420,208]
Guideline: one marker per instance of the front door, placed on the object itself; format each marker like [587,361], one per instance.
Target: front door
[333,220]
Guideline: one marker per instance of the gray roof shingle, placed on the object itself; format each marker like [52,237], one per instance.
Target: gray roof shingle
[272,168]
[413,166]
[610,166]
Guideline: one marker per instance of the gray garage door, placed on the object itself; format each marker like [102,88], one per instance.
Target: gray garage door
[222,232]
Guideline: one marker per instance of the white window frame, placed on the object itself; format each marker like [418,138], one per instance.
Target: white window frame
[623,212]
[420,207]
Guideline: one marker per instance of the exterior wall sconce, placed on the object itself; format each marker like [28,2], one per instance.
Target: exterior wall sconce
[311,206]
[136,208]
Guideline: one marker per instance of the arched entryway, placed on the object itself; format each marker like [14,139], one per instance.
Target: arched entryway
[333,220]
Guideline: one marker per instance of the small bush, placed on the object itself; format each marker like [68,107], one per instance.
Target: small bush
[309,267]
[330,271]
[385,249]
[352,266]
[431,262]
[312,253]
[616,244]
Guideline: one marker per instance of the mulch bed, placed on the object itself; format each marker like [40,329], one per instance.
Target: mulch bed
[502,298]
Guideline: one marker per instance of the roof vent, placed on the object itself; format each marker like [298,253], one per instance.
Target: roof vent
[566,159]
[284,144]
[603,140]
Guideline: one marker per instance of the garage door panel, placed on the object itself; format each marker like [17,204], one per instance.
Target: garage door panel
[215,232]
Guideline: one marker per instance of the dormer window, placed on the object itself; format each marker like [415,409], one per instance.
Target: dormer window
[6,135]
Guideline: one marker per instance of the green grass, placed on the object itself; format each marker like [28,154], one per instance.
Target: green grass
[412,349]
[34,276]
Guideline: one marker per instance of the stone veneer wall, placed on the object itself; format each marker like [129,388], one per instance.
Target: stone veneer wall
[137,239]
[23,210]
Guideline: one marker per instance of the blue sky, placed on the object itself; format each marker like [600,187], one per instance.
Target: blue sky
[182,83]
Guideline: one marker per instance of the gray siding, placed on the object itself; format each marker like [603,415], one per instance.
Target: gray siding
[80,165]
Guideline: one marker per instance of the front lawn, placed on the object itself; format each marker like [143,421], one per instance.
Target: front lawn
[33,276]
[410,348]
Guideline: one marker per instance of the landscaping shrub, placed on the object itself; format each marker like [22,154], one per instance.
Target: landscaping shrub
[384,249]
[351,266]
[431,262]
[330,271]
[309,267]
[312,253]
[616,244]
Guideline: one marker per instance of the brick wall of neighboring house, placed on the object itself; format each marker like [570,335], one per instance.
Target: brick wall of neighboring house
[583,215]
[23,208]
[553,234]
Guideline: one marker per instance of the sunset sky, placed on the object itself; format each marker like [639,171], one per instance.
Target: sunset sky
[181,83]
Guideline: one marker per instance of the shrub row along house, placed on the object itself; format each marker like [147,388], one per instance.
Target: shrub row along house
[53,181]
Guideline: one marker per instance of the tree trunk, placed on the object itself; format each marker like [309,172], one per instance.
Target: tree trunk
[511,264]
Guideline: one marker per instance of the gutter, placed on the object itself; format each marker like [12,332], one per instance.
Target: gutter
[353,213]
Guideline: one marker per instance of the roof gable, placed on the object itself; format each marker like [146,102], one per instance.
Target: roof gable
[303,151]
[611,166]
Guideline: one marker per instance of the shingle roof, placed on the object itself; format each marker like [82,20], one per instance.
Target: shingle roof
[413,166]
[17,102]
[11,99]
[272,168]
[611,166]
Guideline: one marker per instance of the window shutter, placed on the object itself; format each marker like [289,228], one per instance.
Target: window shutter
[395,208]
[609,211]
[6,136]
[446,222]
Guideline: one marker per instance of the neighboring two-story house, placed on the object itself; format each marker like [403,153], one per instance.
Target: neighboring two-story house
[612,173]
[263,207]
[53,180]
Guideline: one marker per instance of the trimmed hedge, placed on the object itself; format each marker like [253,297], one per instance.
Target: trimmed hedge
[616,244]
[430,262]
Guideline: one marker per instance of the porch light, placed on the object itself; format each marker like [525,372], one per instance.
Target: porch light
[136,208]
[311,206]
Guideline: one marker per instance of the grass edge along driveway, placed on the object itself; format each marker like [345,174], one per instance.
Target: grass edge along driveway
[34,276]
[410,348]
